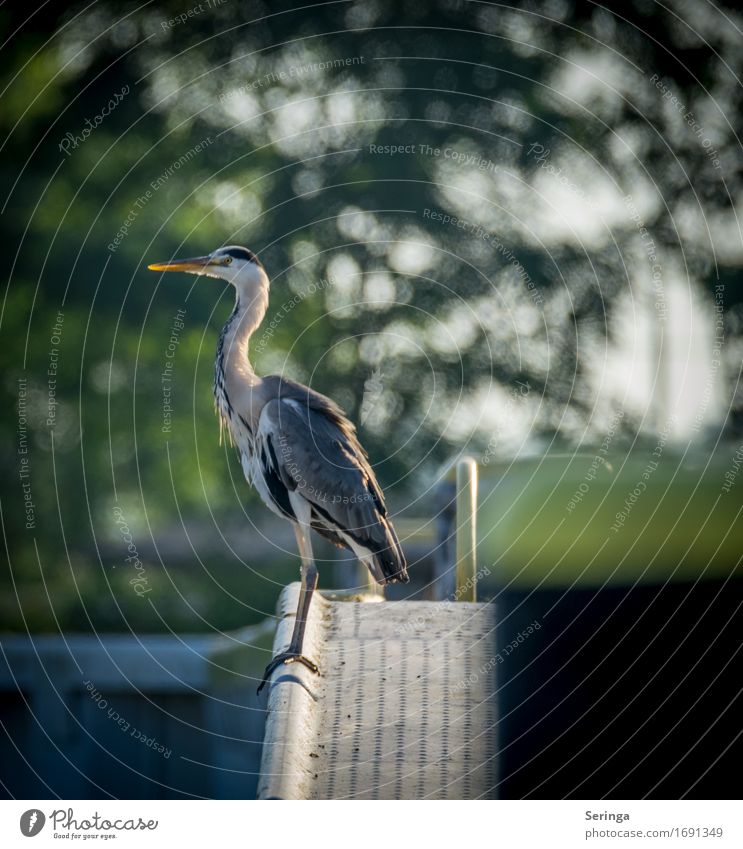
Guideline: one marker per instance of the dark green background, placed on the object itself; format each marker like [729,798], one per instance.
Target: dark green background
[473,77]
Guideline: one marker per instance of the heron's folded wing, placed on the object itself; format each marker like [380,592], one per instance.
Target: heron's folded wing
[319,460]
[286,389]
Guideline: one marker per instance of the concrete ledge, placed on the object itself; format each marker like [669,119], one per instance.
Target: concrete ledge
[293,693]
[404,706]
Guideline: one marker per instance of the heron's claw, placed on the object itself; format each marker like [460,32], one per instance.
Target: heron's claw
[285,658]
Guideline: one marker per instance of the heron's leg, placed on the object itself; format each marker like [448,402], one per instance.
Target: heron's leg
[308,586]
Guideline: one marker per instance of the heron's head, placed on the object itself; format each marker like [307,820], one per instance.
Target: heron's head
[234,264]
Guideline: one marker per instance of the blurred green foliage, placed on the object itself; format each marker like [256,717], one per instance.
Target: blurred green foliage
[286,167]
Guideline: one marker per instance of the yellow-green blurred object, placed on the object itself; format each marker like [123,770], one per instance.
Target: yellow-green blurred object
[466,523]
[592,519]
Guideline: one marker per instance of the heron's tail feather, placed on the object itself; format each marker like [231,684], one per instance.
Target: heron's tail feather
[388,559]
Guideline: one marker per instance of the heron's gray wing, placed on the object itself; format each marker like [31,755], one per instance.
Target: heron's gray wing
[313,458]
[285,389]
[315,452]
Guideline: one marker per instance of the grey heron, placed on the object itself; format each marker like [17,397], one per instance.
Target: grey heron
[296,446]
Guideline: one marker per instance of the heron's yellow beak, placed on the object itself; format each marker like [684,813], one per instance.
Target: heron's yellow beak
[196,263]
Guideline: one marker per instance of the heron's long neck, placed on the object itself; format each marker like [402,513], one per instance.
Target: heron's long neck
[246,318]
[236,386]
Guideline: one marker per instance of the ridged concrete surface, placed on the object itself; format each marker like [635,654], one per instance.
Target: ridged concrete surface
[404,707]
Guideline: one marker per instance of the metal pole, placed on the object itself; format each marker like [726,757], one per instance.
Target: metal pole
[466,569]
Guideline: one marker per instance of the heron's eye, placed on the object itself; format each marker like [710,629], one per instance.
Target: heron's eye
[228,260]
